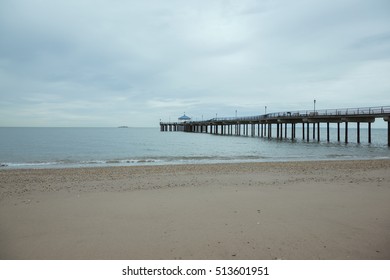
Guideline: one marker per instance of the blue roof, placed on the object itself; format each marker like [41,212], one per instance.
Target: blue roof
[184,118]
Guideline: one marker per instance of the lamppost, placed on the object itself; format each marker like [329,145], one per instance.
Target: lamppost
[236,113]
[314,106]
[265,109]
[216,115]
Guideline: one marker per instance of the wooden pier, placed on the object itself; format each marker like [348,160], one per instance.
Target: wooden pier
[286,123]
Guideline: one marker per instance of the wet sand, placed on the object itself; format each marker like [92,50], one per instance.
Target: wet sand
[292,210]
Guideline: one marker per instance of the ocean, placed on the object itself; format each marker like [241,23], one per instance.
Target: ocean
[88,147]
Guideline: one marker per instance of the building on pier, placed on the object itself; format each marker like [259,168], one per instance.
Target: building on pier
[184,118]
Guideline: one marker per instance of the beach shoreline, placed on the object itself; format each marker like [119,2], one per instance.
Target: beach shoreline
[266,210]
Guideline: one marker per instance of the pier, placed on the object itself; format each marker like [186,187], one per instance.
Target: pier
[286,123]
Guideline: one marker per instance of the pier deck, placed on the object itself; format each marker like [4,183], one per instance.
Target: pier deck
[247,125]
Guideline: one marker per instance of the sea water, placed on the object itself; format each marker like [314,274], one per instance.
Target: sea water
[88,147]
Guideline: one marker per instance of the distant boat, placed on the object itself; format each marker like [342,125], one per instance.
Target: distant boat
[123,126]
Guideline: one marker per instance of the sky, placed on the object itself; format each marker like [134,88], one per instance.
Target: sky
[99,63]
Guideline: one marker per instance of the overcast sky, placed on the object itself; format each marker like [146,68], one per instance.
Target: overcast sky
[127,62]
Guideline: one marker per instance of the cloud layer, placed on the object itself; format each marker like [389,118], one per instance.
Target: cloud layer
[108,63]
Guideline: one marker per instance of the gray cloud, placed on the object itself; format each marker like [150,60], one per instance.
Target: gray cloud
[106,63]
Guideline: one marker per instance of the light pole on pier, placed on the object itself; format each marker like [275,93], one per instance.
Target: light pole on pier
[236,113]
[314,106]
[265,109]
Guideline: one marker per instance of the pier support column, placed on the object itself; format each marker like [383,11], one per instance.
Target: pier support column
[292,131]
[369,132]
[314,130]
[388,132]
[338,132]
[285,130]
[303,131]
[281,131]
[346,132]
[318,132]
[387,119]
[308,132]
[327,132]
[269,130]
[277,131]
[358,132]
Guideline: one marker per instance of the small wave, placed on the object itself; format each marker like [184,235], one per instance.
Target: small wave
[28,164]
[92,162]
[336,155]
[118,161]
[113,161]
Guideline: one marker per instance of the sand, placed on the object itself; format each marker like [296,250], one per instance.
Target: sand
[295,210]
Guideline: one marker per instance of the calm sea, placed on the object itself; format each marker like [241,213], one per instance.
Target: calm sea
[87,147]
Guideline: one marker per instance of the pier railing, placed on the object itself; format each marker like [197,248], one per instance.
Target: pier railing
[364,111]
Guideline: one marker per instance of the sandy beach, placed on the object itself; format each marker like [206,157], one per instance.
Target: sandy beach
[292,210]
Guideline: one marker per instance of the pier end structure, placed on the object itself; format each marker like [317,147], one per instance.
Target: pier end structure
[282,120]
